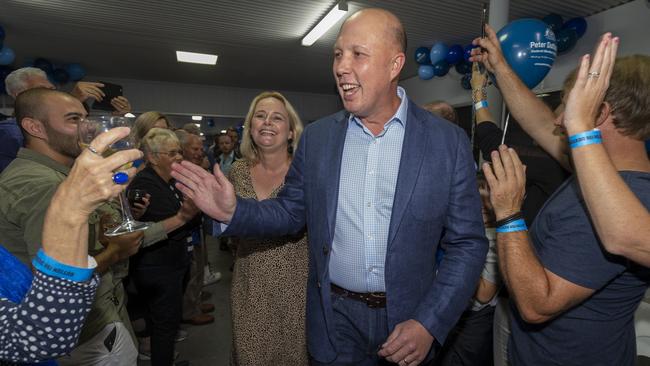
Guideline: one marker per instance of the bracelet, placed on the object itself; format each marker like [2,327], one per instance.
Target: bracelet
[585,138]
[480,104]
[514,217]
[517,225]
[51,267]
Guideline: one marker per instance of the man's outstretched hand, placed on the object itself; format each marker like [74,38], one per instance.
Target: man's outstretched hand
[211,193]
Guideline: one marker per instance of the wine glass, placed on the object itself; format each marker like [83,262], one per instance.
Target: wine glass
[89,129]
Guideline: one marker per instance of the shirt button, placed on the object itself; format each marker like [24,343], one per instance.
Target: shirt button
[375,142]
[369,204]
[371,269]
[369,237]
[371,172]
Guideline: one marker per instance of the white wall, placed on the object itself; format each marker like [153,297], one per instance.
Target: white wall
[211,100]
[631,22]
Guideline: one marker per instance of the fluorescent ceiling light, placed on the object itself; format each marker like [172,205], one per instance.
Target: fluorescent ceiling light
[129,115]
[197,118]
[197,125]
[196,58]
[223,131]
[337,12]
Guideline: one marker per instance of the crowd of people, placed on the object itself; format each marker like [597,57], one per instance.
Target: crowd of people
[369,237]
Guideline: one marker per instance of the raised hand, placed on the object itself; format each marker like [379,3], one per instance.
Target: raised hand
[408,344]
[489,53]
[85,89]
[506,177]
[211,193]
[585,100]
[90,181]
[122,106]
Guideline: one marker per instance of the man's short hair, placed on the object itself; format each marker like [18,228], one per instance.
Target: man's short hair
[16,81]
[442,109]
[216,138]
[192,128]
[31,104]
[183,136]
[628,95]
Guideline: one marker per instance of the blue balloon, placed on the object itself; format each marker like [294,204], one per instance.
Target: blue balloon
[425,72]
[441,68]
[578,24]
[455,54]
[422,56]
[7,56]
[529,47]
[554,21]
[566,40]
[466,82]
[75,71]
[60,76]
[439,52]
[463,67]
[467,51]
[44,64]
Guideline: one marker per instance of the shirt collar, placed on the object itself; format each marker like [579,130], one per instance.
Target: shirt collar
[399,116]
[29,154]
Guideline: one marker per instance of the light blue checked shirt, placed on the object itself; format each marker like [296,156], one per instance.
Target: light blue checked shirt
[366,191]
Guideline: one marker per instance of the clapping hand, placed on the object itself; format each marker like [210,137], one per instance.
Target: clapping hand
[585,100]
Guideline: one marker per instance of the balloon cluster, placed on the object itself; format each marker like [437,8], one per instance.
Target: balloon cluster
[59,74]
[438,60]
[530,47]
[566,33]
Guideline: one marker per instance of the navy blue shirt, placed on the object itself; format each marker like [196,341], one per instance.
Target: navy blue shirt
[600,330]
[11,139]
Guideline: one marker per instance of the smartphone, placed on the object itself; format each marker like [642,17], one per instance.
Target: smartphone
[136,196]
[110,91]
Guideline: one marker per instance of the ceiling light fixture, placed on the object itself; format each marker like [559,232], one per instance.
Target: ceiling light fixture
[129,115]
[196,58]
[334,15]
[197,125]
[197,118]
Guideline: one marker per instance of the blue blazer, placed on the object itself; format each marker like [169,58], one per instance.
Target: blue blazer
[436,203]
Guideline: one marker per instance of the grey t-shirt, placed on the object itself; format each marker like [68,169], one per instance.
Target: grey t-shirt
[600,330]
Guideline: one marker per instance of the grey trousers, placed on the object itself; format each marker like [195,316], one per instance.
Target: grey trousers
[192,295]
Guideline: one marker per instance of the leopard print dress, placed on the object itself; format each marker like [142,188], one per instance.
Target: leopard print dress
[268,295]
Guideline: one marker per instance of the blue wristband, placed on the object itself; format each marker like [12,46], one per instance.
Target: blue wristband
[517,225]
[480,104]
[51,267]
[585,138]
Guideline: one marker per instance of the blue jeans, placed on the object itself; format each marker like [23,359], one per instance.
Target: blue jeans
[360,331]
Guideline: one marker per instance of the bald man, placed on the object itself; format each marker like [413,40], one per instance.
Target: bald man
[380,186]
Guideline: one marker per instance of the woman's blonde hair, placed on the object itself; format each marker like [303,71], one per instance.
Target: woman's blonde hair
[154,140]
[145,122]
[248,148]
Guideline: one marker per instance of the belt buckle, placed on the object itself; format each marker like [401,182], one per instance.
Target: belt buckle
[374,299]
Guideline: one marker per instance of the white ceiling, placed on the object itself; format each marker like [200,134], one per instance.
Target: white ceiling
[258,42]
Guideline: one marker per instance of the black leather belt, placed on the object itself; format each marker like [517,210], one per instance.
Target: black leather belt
[371,299]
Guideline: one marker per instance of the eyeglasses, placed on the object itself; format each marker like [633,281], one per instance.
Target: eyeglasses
[171,153]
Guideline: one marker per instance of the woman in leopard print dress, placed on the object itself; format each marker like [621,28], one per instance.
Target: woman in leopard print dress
[270,274]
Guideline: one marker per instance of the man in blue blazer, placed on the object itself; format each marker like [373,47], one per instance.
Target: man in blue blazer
[380,187]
